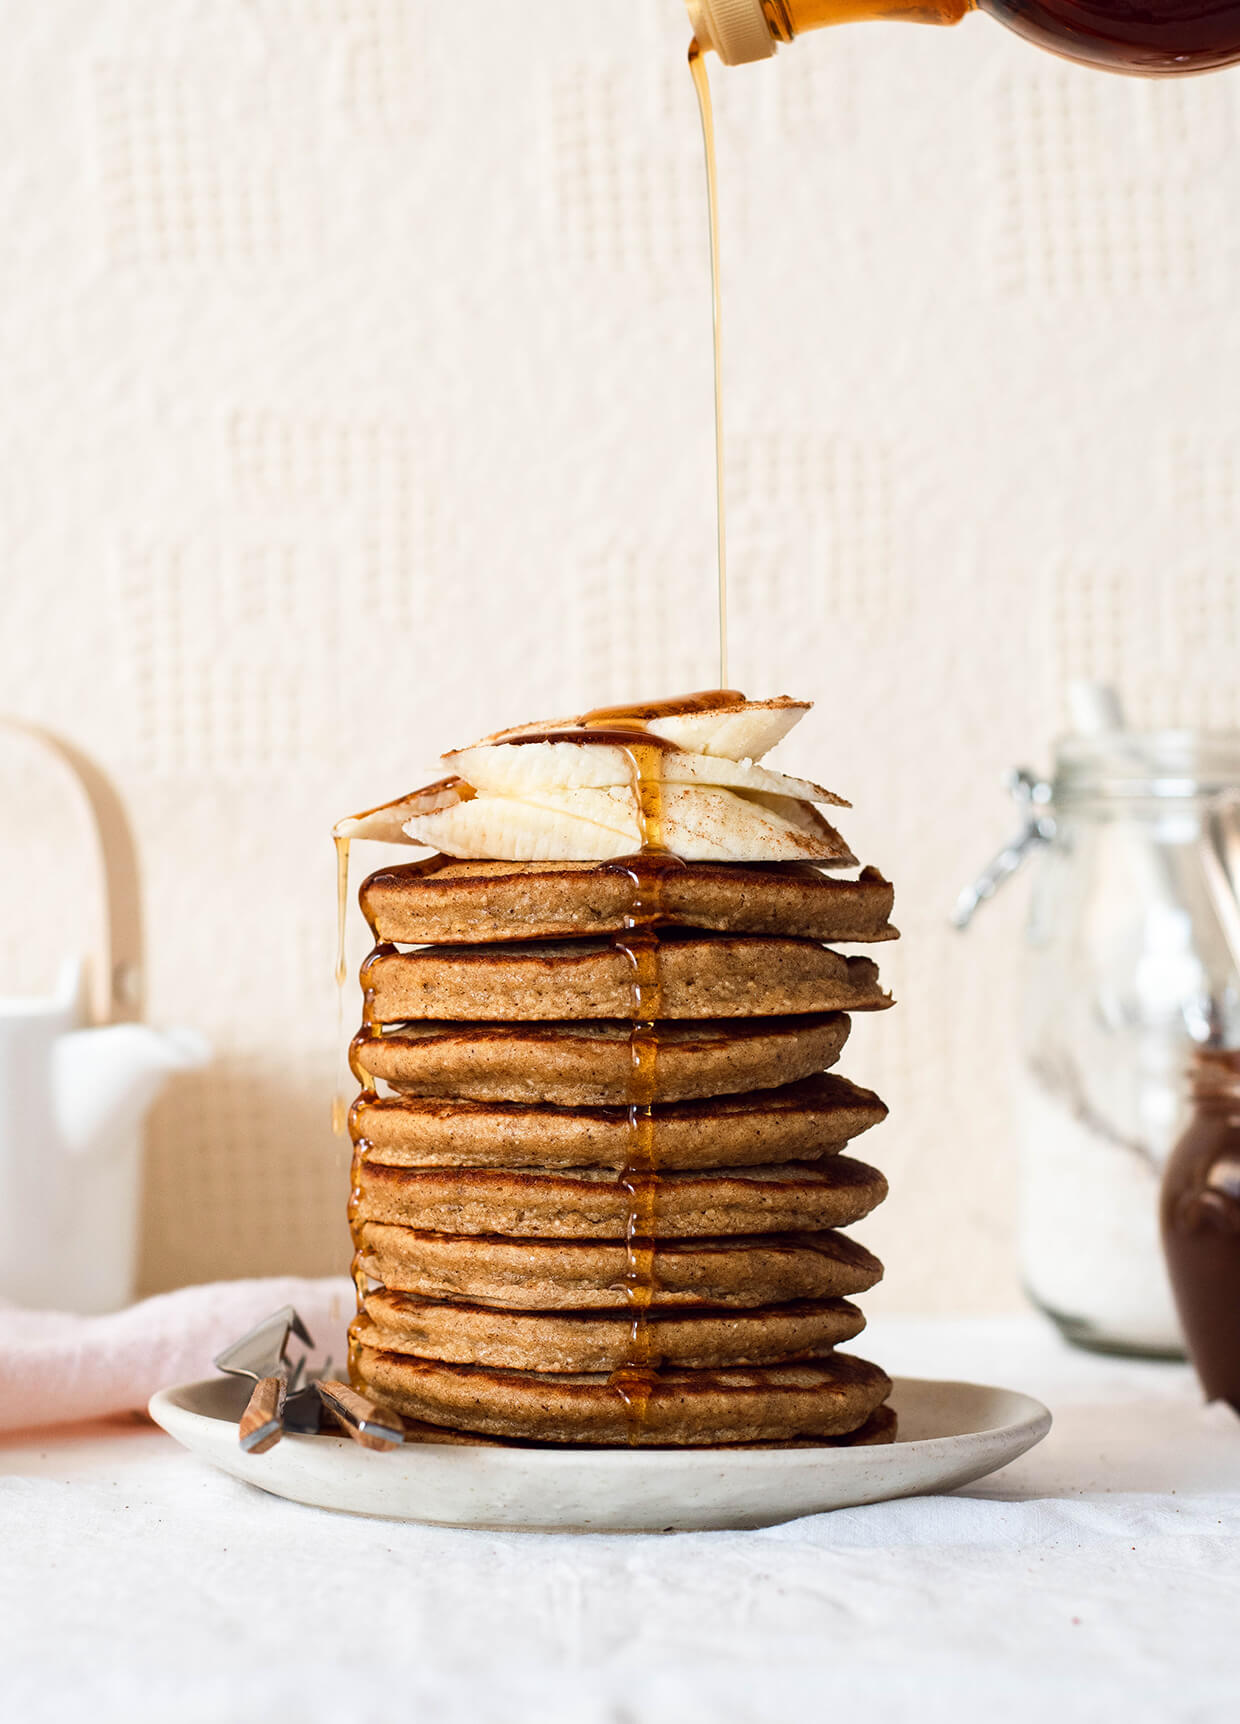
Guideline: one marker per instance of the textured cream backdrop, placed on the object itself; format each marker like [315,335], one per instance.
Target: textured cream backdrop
[356,401]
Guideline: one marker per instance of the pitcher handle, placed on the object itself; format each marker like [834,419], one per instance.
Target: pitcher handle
[115,979]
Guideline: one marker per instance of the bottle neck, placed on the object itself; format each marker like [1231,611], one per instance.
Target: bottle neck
[787,19]
[743,30]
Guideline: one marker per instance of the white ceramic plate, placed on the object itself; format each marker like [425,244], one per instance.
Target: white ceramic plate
[950,1434]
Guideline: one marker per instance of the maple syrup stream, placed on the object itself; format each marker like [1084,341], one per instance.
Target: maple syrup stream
[701,83]
[647,870]
[639,940]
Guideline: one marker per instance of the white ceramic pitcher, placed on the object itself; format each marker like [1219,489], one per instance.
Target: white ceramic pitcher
[77,1075]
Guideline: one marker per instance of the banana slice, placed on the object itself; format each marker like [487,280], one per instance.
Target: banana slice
[744,731]
[738,733]
[703,823]
[537,800]
[504,829]
[387,822]
[516,769]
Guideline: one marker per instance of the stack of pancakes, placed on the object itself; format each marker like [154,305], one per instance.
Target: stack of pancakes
[522,1274]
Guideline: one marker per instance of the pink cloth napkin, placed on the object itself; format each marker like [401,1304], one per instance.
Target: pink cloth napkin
[56,1368]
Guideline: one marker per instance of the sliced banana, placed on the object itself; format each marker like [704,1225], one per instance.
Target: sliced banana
[387,822]
[506,829]
[734,733]
[705,823]
[802,816]
[515,769]
[745,731]
[535,800]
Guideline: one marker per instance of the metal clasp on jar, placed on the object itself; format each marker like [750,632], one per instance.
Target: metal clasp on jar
[1034,795]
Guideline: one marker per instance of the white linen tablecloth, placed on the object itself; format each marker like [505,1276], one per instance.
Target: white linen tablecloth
[1097,1578]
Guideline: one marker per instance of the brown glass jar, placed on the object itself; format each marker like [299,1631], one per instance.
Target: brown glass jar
[1201,1224]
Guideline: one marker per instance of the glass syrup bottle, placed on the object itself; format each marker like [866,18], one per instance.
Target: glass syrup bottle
[1150,38]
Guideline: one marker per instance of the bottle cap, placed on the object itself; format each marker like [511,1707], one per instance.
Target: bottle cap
[737,30]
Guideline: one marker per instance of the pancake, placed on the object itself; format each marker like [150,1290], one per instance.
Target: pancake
[701,975]
[591,1274]
[824,1397]
[589,1063]
[442,899]
[601,1340]
[880,1427]
[596,1203]
[800,1121]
